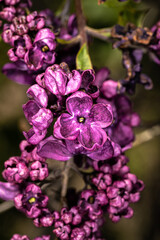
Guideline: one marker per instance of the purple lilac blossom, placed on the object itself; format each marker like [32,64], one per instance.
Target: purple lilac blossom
[42,52]
[13,8]
[29,152]
[85,121]
[16,170]
[71,30]
[61,230]
[45,219]
[25,237]
[59,81]
[19,237]
[88,83]
[57,149]
[19,72]
[37,114]
[91,202]
[155,43]
[31,201]
[38,171]
[121,130]
[21,45]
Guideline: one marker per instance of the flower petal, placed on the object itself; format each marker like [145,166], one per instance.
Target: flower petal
[101,114]
[103,153]
[54,149]
[74,82]
[79,104]
[8,191]
[92,137]
[39,94]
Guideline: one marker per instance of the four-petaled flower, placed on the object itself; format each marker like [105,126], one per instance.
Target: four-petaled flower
[84,121]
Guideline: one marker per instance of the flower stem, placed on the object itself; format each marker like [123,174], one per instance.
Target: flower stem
[65,175]
[6,206]
[147,135]
[81,22]
[102,34]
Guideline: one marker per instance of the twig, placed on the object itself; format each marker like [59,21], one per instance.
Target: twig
[65,175]
[81,21]
[65,11]
[6,206]
[99,33]
[147,135]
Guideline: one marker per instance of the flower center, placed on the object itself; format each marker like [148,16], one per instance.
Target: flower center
[81,119]
[32,200]
[45,48]
[91,199]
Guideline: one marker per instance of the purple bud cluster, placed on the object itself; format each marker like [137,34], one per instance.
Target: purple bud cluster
[31,38]
[24,237]
[12,8]
[88,117]
[78,116]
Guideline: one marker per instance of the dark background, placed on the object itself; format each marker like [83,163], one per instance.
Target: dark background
[144,159]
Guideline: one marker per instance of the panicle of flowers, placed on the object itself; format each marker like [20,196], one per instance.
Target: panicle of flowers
[32,41]
[12,8]
[132,41]
[79,116]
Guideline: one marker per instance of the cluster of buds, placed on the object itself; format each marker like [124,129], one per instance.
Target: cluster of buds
[88,118]
[81,117]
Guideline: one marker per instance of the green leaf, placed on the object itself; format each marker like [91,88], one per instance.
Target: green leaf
[83,60]
[115,3]
[134,13]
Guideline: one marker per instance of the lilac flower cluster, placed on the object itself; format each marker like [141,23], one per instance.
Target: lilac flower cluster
[77,116]
[24,237]
[90,118]
[133,42]
[13,8]
[32,42]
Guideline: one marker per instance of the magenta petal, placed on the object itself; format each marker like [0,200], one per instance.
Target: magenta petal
[34,136]
[30,109]
[122,134]
[39,94]
[44,34]
[109,88]
[42,119]
[101,114]
[92,137]
[66,127]
[69,126]
[54,149]
[8,191]
[103,153]
[18,72]
[79,104]
[55,80]
[74,82]
[129,213]
[101,76]
[34,58]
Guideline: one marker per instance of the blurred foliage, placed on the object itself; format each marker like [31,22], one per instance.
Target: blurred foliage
[144,159]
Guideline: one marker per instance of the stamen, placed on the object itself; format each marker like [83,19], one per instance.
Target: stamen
[45,48]
[81,119]
[32,200]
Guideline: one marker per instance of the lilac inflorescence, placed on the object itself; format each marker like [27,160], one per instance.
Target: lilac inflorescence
[75,115]
[25,237]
